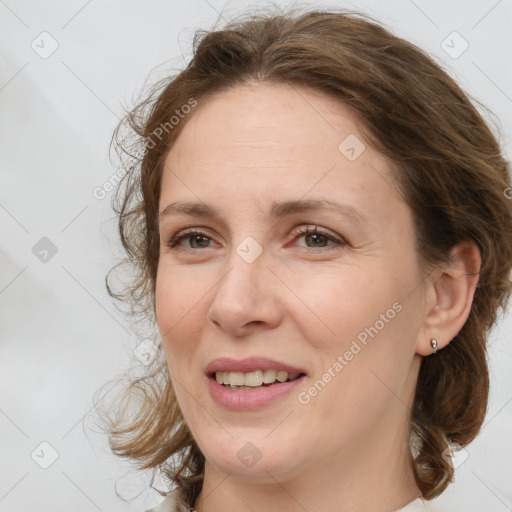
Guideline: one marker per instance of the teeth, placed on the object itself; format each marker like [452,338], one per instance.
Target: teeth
[269,376]
[282,376]
[236,378]
[253,379]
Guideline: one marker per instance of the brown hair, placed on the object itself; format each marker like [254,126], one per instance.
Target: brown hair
[449,168]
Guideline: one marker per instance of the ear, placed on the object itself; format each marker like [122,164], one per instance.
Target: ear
[449,297]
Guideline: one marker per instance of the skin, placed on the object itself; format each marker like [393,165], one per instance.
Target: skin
[347,449]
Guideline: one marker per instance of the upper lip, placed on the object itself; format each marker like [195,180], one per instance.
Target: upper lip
[249,364]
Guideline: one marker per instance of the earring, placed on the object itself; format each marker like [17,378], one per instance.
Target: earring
[433,344]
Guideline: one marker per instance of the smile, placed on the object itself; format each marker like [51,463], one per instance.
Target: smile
[255,379]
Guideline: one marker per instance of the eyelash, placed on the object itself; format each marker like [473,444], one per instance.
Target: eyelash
[302,231]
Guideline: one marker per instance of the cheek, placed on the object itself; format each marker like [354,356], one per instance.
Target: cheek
[373,347]
[340,302]
[177,291]
[359,314]
[176,304]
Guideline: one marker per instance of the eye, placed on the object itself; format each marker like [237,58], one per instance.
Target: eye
[199,239]
[197,235]
[316,237]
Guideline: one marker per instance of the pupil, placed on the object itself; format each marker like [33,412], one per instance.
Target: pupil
[316,235]
[195,238]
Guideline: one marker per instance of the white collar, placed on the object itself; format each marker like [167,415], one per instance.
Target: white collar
[417,505]
[168,505]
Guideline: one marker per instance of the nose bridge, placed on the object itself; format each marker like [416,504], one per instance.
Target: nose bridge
[245,292]
[245,266]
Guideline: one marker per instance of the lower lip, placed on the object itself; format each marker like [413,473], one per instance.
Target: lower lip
[250,399]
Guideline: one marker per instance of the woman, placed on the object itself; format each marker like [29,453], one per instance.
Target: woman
[319,228]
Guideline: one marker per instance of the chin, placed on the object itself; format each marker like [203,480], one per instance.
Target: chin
[249,459]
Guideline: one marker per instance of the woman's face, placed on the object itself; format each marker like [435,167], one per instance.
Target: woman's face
[344,306]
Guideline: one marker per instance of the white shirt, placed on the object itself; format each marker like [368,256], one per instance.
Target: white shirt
[169,505]
[417,505]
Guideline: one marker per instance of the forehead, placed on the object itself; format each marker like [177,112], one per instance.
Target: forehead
[267,119]
[266,141]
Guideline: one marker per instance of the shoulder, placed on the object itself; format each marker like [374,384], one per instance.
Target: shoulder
[169,504]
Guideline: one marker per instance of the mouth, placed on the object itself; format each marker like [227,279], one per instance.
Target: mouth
[257,379]
[251,383]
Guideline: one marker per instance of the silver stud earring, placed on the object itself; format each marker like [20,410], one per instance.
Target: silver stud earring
[433,344]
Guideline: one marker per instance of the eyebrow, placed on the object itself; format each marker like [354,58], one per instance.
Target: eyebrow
[278,210]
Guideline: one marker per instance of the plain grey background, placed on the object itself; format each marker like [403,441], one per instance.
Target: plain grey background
[67,68]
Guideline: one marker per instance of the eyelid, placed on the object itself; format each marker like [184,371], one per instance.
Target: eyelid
[311,229]
[307,229]
[174,239]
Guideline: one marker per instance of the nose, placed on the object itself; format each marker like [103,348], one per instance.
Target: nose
[246,298]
